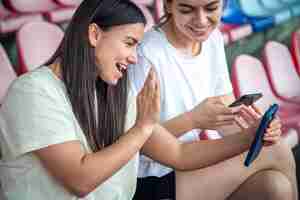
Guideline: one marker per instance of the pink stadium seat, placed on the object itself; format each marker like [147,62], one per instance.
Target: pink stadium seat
[10,21]
[281,71]
[144,2]
[148,15]
[36,43]
[4,12]
[69,2]
[295,49]
[30,6]
[60,15]
[7,73]
[158,9]
[249,76]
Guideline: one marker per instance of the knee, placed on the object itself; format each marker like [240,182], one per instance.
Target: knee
[276,186]
[283,158]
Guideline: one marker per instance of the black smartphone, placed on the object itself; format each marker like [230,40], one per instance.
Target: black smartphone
[247,99]
[257,143]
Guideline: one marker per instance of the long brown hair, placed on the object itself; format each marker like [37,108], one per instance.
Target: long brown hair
[99,108]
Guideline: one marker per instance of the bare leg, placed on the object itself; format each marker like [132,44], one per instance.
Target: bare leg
[264,185]
[220,181]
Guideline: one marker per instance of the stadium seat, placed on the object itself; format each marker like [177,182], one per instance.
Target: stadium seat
[11,22]
[60,15]
[144,2]
[68,2]
[273,5]
[31,6]
[148,15]
[281,71]
[158,10]
[295,49]
[249,76]
[36,43]
[7,73]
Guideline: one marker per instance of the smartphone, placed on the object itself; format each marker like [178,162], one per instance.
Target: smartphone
[247,99]
[257,143]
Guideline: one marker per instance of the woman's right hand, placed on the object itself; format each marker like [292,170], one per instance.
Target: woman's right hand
[148,103]
[212,114]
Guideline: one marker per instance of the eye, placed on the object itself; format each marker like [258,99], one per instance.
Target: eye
[129,44]
[212,8]
[186,11]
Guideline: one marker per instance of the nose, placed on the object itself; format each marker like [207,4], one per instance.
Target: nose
[132,59]
[201,17]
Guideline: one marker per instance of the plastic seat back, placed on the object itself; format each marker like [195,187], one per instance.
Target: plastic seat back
[30,6]
[249,76]
[295,49]
[36,43]
[281,70]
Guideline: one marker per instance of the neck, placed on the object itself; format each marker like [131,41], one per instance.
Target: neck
[55,67]
[180,41]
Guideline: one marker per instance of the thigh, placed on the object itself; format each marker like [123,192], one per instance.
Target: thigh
[219,181]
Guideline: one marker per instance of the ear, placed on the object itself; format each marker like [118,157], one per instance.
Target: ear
[95,33]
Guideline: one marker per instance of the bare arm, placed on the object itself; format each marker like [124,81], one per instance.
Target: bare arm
[212,113]
[81,173]
[165,148]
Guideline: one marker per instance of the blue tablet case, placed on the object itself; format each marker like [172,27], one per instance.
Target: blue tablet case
[257,143]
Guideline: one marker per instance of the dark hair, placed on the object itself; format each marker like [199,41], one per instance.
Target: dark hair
[99,108]
[166,16]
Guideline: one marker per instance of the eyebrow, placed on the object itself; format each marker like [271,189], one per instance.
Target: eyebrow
[190,6]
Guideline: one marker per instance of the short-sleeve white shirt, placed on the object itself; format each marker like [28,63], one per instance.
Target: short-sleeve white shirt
[185,80]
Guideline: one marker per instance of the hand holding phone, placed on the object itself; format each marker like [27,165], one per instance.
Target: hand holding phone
[247,99]
[257,143]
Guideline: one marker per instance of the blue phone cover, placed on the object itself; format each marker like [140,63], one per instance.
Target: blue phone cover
[257,143]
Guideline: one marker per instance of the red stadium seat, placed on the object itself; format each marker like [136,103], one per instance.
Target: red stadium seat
[249,76]
[69,2]
[7,73]
[281,71]
[295,49]
[60,15]
[31,6]
[36,43]
[144,2]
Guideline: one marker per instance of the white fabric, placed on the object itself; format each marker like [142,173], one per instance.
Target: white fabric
[35,114]
[185,80]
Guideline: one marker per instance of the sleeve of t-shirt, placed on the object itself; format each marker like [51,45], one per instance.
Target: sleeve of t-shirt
[35,117]
[223,85]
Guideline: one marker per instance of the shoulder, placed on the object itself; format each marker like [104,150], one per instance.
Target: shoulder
[153,39]
[216,39]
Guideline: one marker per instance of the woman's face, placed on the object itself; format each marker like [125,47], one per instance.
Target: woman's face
[195,19]
[115,49]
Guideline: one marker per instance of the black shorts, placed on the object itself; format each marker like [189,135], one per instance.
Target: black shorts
[156,188]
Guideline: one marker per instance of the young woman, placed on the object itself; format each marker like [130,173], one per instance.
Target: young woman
[71,130]
[187,51]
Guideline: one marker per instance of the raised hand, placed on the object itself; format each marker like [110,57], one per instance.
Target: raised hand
[148,102]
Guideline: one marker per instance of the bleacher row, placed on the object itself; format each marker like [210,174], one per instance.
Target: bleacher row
[276,76]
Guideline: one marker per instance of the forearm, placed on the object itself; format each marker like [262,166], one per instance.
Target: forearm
[81,173]
[179,125]
[200,154]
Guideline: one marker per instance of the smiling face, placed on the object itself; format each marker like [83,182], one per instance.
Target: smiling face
[115,49]
[194,19]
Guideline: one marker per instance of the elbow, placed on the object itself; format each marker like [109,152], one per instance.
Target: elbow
[81,190]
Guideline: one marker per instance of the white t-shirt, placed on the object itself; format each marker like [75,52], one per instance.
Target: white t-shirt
[37,113]
[185,81]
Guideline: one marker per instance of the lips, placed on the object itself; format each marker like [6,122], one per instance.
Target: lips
[121,67]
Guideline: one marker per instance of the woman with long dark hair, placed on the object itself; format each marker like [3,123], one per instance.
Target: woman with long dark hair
[72,129]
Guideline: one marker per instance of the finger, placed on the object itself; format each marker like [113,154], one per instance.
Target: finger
[271,139]
[252,112]
[240,122]
[256,109]
[250,119]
